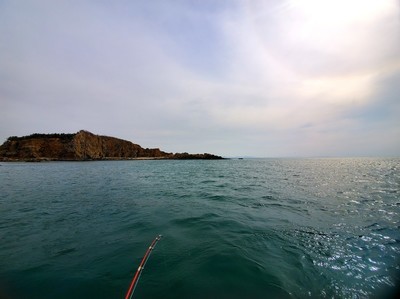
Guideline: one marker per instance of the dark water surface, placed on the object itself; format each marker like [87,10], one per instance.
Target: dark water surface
[255,228]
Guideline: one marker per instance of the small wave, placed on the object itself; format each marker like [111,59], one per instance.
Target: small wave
[65,251]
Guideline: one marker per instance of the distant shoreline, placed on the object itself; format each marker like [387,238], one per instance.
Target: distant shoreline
[44,160]
[84,146]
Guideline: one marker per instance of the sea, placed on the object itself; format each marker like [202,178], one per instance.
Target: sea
[233,228]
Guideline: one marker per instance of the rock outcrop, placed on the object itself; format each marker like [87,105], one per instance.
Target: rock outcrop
[82,146]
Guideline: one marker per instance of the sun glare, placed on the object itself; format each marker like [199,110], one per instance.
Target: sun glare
[340,12]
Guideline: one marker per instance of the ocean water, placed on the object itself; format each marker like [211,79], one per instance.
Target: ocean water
[252,228]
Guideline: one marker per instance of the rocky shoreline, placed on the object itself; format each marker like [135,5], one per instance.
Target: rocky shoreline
[83,146]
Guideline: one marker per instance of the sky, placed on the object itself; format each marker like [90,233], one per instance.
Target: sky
[267,78]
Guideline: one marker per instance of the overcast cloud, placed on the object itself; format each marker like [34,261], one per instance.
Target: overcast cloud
[252,78]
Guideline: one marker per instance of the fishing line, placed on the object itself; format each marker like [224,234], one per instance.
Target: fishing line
[162,250]
[135,279]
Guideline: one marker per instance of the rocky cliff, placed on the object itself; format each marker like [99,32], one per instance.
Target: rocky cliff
[82,146]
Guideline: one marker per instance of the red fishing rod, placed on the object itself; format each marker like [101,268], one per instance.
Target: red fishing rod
[135,279]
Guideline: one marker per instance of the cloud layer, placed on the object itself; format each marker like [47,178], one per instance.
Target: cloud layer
[261,78]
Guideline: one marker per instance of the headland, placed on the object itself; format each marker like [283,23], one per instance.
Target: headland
[82,146]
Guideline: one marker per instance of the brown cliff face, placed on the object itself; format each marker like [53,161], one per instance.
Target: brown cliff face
[54,148]
[89,146]
[81,146]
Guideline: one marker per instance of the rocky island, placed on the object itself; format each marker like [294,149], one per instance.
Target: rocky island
[82,146]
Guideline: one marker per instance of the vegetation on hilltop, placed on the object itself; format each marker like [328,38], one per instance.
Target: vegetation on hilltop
[61,136]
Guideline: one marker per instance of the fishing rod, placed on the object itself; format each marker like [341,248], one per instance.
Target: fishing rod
[135,279]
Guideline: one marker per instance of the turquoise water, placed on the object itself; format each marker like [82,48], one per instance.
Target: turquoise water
[252,228]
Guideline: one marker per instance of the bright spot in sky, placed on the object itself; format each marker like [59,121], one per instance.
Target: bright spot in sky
[340,13]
